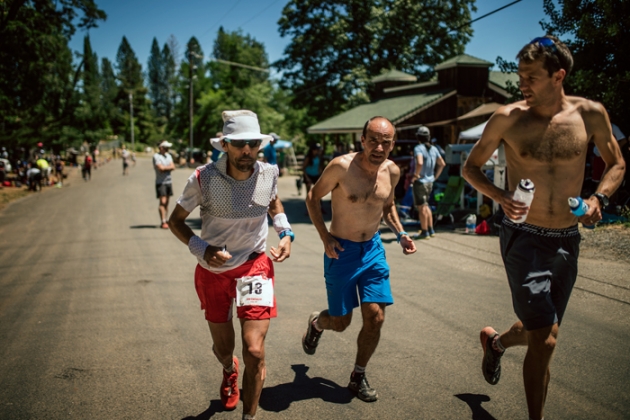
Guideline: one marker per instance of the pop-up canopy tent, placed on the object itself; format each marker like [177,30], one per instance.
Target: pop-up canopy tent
[289,160]
[472,133]
[282,144]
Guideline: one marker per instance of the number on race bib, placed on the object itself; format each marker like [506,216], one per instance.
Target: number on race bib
[254,291]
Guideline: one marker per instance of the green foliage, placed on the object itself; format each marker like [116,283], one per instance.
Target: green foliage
[131,82]
[37,76]
[512,88]
[338,46]
[597,33]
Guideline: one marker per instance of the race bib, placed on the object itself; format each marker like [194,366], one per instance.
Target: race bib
[254,291]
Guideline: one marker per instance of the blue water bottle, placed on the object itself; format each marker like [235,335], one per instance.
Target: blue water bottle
[579,208]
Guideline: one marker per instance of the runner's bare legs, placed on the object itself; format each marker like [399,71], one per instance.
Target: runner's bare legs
[536,373]
[254,333]
[370,334]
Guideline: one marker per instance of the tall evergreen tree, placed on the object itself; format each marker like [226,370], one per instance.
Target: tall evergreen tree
[170,79]
[109,91]
[37,75]
[191,71]
[90,118]
[131,81]
[238,48]
[156,78]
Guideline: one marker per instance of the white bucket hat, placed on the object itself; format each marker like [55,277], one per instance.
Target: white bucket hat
[240,125]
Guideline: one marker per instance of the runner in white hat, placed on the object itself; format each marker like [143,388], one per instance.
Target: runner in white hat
[235,194]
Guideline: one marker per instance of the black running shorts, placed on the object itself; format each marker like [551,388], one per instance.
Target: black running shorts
[163,190]
[541,266]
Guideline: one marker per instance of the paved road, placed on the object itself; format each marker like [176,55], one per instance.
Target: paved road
[99,320]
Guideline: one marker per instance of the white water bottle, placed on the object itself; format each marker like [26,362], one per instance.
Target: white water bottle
[471,223]
[525,194]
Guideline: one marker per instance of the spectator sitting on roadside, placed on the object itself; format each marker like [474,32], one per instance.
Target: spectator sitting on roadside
[34,177]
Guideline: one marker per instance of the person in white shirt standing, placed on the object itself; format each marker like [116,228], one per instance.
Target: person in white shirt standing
[235,194]
[163,164]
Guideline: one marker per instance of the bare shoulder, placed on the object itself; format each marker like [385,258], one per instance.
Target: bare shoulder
[338,166]
[511,112]
[343,161]
[593,113]
[587,107]
[391,167]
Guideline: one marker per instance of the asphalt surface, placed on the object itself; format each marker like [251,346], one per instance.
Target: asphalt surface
[99,319]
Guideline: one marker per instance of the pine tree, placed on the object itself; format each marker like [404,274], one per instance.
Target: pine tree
[156,79]
[169,80]
[131,82]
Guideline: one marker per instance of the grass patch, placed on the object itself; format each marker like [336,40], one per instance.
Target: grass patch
[10,194]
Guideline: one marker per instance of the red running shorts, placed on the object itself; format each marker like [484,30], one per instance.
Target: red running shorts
[217,291]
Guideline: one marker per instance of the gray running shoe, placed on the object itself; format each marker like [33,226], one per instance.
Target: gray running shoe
[310,340]
[360,386]
[491,363]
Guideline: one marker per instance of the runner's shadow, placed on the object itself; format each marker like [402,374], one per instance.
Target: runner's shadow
[144,227]
[295,209]
[215,407]
[474,402]
[280,397]
[194,223]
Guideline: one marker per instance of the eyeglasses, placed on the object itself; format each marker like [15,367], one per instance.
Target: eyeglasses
[545,42]
[239,144]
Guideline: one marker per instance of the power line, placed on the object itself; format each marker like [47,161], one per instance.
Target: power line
[221,19]
[486,15]
[231,63]
[259,13]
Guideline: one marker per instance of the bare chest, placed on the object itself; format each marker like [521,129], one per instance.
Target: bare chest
[550,142]
[357,188]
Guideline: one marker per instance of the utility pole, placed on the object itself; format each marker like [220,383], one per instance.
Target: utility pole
[133,143]
[191,77]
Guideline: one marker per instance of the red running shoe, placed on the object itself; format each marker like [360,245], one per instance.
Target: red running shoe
[229,388]
[164,225]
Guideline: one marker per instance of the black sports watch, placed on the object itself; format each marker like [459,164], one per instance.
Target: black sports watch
[603,199]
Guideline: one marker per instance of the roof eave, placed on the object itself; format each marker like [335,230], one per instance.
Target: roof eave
[499,90]
[450,65]
[425,107]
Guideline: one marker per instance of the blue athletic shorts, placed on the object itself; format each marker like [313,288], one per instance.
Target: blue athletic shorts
[361,267]
[541,266]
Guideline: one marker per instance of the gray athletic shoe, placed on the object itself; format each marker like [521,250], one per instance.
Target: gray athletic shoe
[360,386]
[491,363]
[310,340]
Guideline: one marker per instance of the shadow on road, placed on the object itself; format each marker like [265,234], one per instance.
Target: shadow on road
[144,227]
[295,209]
[280,397]
[194,223]
[474,402]
[215,407]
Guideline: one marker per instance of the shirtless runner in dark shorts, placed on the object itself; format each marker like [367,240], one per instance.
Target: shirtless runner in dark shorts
[546,137]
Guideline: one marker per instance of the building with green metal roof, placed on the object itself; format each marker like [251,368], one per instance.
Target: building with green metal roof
[462,84]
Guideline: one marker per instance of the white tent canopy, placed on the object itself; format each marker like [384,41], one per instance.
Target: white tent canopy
[473,133]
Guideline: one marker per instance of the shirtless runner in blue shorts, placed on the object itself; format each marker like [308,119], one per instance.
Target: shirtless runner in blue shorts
[362,186]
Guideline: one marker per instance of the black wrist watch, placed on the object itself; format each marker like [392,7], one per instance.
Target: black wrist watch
[603,199]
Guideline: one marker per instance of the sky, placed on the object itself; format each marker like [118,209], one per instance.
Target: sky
[501,34]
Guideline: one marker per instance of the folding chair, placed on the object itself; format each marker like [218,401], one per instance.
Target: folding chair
[452,194]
